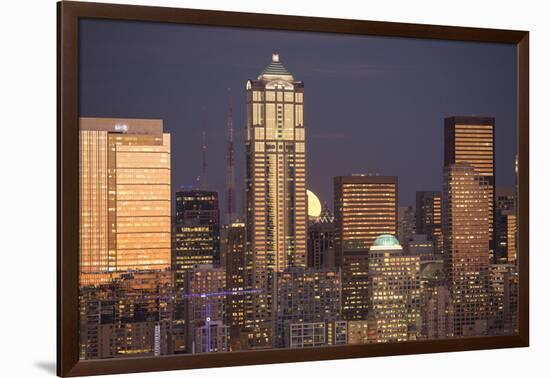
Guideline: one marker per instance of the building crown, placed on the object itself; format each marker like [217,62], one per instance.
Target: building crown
[275,70]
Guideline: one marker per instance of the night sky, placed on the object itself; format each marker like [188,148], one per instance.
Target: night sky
[372,104]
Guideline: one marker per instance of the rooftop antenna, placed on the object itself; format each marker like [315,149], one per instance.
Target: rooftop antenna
[202,177]
[230,166]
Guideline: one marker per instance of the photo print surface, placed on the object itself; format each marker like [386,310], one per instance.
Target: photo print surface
[246,189]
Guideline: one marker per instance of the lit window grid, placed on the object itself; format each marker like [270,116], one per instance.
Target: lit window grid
[114,168]
[466,245]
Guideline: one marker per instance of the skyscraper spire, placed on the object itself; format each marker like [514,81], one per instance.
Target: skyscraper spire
[275,191]
[230,167]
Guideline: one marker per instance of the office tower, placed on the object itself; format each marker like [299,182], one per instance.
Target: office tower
[306,295]
[131,316]
[237,266]
[207,299]
[124,197]
[506,226]
[394,292]
[471,140]
[428,217]
[196,232]
[465,246]
[320,243]
[420,246]
[365,208]
[406,225]
[275,186]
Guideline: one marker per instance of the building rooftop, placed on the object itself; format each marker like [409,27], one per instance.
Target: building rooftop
[275,69]
[386,242]
[122,125]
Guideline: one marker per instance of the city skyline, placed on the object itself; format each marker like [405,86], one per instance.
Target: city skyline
[368,271]
[373,76]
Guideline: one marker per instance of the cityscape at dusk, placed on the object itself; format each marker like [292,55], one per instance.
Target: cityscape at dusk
[249,190]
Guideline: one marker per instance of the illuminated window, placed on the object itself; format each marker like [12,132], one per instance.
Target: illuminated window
[299,115]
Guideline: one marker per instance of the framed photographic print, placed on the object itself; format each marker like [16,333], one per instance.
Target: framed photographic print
[242,188]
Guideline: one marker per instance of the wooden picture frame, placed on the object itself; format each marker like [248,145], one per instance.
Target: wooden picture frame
[69,14]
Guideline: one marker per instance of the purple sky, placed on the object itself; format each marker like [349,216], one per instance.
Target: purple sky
[372,104]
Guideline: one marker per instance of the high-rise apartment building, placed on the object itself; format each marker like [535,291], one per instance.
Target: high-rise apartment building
[365,208]
[465,246]
[275,187]
[124,197]
[196,232]
[394,292]
[428,217]
[471,140]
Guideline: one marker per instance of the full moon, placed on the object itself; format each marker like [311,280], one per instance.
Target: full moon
[313,205]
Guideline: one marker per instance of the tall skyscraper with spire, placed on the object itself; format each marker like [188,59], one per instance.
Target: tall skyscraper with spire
[275,187]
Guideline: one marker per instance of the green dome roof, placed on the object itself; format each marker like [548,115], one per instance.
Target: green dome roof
[386,241]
